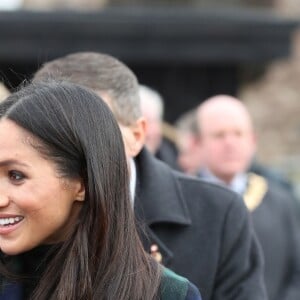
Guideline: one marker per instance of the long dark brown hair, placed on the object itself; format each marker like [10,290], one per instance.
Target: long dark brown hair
[103,257]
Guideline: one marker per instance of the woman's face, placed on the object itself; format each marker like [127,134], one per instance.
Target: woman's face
[37,206]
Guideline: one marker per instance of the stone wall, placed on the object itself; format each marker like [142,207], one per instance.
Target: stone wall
[274,103]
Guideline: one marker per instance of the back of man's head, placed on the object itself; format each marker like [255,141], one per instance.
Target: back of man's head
[151,100]
[104,74]
[152,109]
[187,123]
[189,148]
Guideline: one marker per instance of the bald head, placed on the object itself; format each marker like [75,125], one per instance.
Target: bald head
[227,136]
[225,107]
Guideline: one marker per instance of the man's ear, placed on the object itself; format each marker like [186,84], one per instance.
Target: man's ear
[138,130]
[134,136]
[254,142]
[199,139]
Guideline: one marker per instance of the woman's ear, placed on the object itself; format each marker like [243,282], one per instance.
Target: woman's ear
[79,191]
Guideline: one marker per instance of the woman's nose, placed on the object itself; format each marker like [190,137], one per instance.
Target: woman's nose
[4,198]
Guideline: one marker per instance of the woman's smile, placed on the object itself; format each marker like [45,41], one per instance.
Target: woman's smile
[9,223]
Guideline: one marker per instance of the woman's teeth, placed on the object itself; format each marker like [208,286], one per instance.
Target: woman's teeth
[10,221]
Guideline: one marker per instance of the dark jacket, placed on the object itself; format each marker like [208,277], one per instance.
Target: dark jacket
[34,262]
[276,224]
[175,287]
[202,231]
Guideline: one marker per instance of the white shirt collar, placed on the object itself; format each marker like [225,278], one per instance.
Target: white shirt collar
[132,180]
[237,184]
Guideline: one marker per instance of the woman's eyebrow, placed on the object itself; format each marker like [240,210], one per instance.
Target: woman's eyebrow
[7,162]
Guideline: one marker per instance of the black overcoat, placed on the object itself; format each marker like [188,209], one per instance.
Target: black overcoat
[277,228]
[202,231]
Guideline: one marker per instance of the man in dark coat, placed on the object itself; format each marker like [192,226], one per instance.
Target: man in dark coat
[199,230]
[228,144]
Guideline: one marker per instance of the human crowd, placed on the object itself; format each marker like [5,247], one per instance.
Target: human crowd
[95,202]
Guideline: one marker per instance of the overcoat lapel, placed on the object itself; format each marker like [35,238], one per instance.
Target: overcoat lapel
[158,201]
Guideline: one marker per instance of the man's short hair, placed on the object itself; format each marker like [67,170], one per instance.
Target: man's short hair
[151,99]
[188,122]
[103,74]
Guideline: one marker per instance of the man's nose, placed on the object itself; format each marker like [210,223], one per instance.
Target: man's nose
[231,139]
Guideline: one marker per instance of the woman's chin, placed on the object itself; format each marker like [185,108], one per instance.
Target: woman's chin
[13,249]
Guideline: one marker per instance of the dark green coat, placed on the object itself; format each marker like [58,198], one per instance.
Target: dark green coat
[175,287]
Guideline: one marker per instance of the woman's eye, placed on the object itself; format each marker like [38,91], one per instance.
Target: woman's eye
[16,176]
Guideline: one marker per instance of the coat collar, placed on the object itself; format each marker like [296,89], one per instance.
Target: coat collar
[158,196]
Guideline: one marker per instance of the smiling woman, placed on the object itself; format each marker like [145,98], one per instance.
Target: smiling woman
[67,229]
[40,201]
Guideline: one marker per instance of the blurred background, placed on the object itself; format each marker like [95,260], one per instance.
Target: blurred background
[188,50]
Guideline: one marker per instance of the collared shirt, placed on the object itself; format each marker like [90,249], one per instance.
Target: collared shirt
[132,180]
[237,184]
